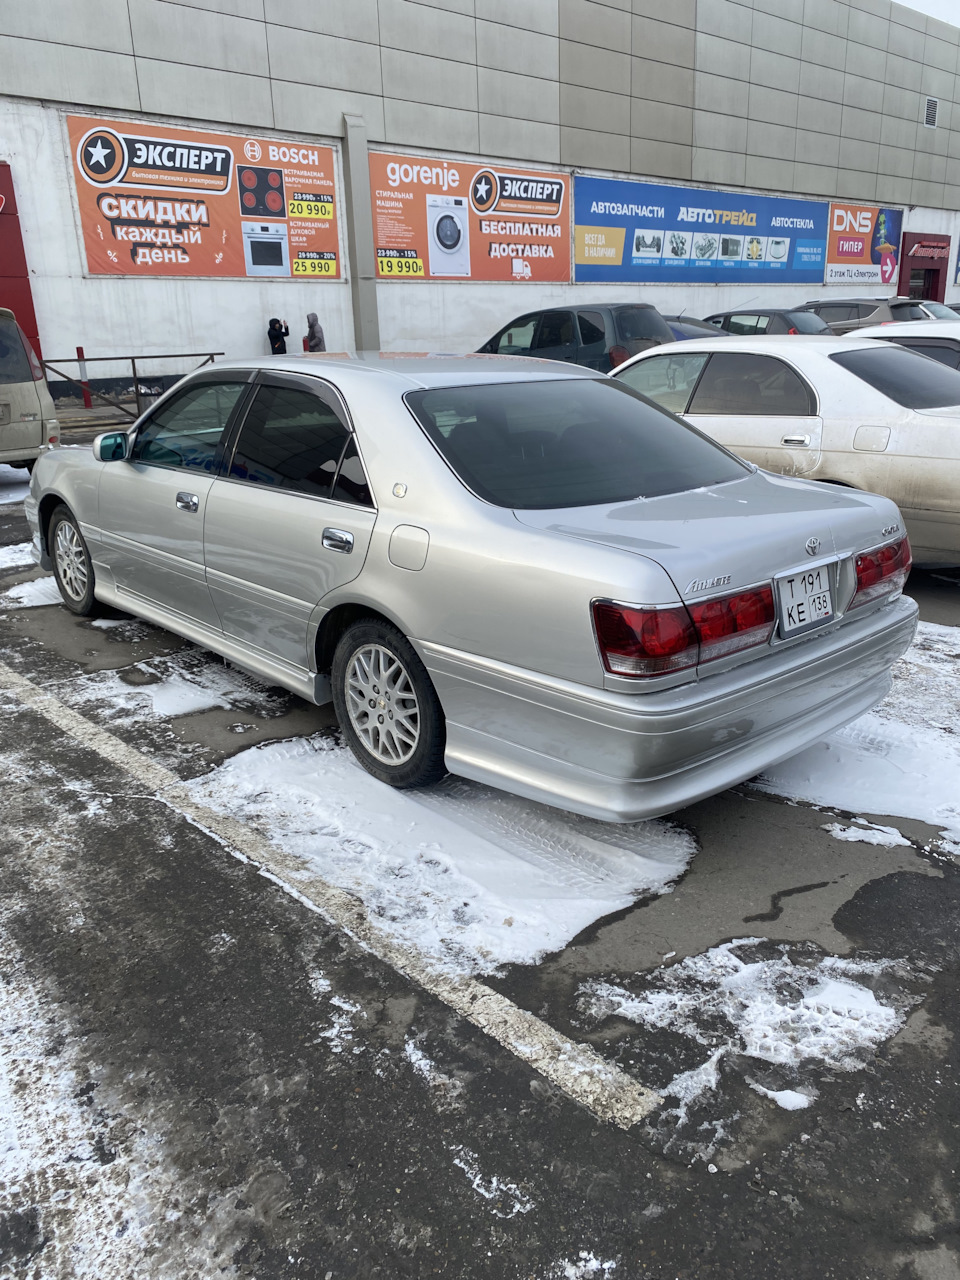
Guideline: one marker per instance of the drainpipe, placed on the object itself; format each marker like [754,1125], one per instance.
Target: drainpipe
[363,266]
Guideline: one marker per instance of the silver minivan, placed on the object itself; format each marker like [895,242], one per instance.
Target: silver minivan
[28,424]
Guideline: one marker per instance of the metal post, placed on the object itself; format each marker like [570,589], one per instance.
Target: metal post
[84,384]
[363,264]
[136,385]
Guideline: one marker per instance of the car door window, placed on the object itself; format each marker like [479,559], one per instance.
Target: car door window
[517,338]
[290,439]
[556,330]
[740,383]
[667,380]
[187,430]
[836,312]
[742,324]
[351,483]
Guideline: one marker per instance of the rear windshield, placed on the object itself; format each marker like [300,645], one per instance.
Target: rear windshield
[570,443]
[642,322]
[905,376]
[14,365]
[807,322]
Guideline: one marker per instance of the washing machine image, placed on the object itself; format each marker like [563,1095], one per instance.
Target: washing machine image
[448,233]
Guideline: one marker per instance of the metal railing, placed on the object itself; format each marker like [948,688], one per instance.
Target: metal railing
[205,357]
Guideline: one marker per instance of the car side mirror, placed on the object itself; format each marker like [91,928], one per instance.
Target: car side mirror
[112,446]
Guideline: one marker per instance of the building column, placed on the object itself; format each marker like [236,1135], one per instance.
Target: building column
[363,265]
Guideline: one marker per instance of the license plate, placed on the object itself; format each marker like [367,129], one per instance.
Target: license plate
[806,599]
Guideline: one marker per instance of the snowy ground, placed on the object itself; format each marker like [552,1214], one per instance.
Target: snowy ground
[14,484]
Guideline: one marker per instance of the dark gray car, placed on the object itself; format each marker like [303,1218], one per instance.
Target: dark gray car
[598,337]
[747,320]
[844,315]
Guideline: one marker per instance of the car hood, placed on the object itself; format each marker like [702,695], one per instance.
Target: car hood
[731,535]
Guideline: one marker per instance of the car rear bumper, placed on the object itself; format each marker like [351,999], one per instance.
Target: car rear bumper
[624,757]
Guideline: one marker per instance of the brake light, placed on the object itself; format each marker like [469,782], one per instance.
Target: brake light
[734,622]
[882,572]
[652,642]
[618,355]
[793,330]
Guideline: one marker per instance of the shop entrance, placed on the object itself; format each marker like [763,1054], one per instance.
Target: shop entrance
[924,262]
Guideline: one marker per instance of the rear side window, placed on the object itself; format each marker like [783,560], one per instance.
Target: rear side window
[290,439]
[643,323]
[743,324]
[667,380]
[14,364]
[908,311]
[568,443]
[949,356]
[835,312]
[591,327]
[740,383]
[904,376]
[806,322]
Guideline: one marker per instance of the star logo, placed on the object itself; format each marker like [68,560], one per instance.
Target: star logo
[484,191]
[98,154]
[481,191]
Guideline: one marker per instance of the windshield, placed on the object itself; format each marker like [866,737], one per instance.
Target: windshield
[905,376]
[570,443]
[642,322]
[938,310]
[14,365]
[807,322]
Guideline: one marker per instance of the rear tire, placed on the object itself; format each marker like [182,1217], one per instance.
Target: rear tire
[72,565]
[388,709]
[26,465]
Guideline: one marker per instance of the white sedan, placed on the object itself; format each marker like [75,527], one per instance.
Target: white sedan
[854,411]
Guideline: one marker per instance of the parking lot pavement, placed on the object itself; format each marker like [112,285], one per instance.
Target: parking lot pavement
[262,1018]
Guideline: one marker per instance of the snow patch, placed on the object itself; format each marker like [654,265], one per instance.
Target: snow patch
[777,1011]
[469,876]
[31,595]
[586,1266]
[14,483]
[506,1199]
[868,833]
[17,556]
[446,1087]
[789,1099]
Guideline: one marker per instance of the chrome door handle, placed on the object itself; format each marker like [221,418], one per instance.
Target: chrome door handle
[801,440]
[338,540]
[188,501]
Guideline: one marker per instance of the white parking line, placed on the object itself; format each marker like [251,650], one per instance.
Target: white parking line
[575,1069]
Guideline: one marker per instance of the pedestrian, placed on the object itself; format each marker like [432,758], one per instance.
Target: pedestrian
[313,339]
[276,332]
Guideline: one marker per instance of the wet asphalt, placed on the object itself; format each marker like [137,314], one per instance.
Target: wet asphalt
[246,1067]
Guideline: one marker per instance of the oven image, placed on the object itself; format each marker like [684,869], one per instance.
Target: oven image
[265,248]
[448,235]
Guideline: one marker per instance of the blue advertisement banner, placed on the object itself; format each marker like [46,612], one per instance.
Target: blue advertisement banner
[641,231]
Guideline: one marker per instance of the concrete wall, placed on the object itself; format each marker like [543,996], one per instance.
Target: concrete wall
[812,97]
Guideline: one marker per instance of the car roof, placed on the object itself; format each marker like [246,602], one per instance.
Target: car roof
[915,328]
[408,370]
[756,311]
[858,298]
[791,345]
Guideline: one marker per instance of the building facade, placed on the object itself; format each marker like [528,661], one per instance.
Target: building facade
[832,107]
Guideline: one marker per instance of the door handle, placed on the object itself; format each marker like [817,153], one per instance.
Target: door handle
[799,440]
[338,540]
[188,501]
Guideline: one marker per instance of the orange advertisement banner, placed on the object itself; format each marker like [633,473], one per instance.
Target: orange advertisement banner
[156,201]
[446,219]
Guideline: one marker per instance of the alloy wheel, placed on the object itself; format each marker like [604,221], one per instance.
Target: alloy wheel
[71,561]
[382,704]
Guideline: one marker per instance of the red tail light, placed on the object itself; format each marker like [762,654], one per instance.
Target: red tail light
[792,330]
[618,355]
[652,642]
[882,572]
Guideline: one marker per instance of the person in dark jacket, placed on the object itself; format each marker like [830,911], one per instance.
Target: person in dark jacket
[276,332]
[313,339]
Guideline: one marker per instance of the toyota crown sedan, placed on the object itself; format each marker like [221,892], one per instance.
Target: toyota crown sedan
[515,571]
[854,411]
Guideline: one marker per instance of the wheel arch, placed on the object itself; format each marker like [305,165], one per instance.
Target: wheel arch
[45,509]
[335,622]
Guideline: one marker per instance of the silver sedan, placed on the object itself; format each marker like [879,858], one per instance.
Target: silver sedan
[522,573]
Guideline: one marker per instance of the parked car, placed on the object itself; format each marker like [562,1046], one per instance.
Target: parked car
[954,307]
[857,412]
[939,339]
[768,320]
[28,423]
[598,337]
[684,327]
[518,571]
[843,315]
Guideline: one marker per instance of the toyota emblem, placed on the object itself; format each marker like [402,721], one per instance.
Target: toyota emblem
[813,546]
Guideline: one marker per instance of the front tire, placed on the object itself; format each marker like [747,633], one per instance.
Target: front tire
[72,565]
[388,709]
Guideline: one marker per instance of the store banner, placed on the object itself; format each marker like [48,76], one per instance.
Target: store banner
[157,201]
[447,219]
[644,232]
[864,244]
